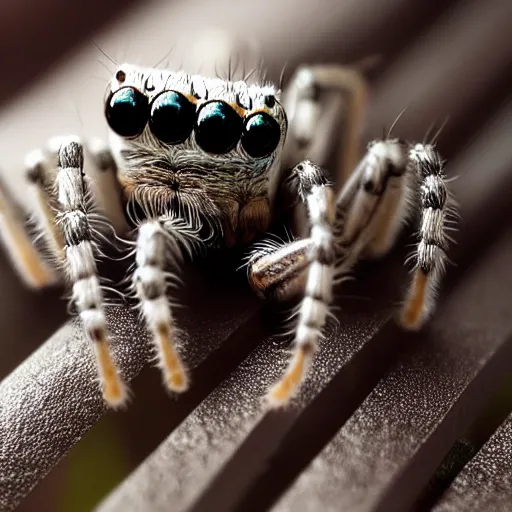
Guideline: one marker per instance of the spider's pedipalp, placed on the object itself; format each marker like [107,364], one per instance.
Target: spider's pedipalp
[278,271]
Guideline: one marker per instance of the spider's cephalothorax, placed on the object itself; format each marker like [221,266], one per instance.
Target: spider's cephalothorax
[203,148]
[197,162]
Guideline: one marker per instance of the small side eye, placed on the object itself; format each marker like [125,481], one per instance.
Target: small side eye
[126,111]
[172,117]
[270,101]
[261,135]
[218,127]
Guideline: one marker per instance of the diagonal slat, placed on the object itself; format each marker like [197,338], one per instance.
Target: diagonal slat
[201,438]
[386,453]
[27,481]
[486,481]
[50,401]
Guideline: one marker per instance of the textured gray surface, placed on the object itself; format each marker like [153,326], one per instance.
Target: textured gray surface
[199,447]
[198,450]
[450,72]
[50,401]
[486,481]
[385,454]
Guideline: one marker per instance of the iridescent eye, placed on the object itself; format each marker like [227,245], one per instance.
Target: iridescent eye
[261,135]
[218,127]
[172,117]
[127,112]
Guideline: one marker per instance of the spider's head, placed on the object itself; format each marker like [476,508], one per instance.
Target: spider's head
[195,144]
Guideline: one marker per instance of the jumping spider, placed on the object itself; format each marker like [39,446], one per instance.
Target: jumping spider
[197,162]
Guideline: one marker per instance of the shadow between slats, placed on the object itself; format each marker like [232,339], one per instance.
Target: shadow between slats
[385,454]
[387,451]
[50,401]
[485,483]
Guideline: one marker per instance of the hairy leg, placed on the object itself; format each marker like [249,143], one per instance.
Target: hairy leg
[437,214]
[366,218]
[74,203]
[311,123]
[369,215]
[301,266]
[107,190]
[314,307]
[155,241]
[19,245]
[42,177]
[394,180]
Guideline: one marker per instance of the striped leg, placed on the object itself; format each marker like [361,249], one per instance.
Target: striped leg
[107,190]
[150,283]
[72,217]
[387,180]
[436,208]
[317,296]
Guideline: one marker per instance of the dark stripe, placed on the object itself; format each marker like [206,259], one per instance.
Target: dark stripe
[75,232]
[433,196]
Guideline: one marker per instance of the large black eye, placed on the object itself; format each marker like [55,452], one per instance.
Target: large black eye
[218,127]
[127,112]
[172,117]
[261,135]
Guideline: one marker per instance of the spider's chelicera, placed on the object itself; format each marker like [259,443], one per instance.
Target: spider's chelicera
[196,170]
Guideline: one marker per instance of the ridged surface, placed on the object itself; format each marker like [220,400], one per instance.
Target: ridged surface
[381,408]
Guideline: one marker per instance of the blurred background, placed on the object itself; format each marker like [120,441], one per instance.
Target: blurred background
[442,60]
